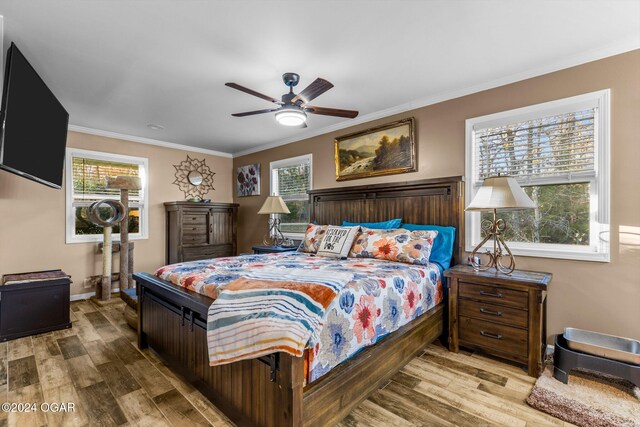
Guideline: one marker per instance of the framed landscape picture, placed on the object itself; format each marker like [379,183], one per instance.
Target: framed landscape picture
[248,180]
[383,150]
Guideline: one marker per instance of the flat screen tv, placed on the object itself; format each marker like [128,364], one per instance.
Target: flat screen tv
[33,135]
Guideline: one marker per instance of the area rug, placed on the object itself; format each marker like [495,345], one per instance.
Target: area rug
[589,399]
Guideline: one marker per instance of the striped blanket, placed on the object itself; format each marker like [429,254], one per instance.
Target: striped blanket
[268,311]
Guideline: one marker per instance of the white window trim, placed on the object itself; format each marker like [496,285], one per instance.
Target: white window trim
[70,214]
[600,184]
[291,161]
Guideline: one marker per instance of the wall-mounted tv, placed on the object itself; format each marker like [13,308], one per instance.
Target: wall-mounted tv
[33,133]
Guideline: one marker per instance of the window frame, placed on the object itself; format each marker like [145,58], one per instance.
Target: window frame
[291,161]
[71,237]
[600,204]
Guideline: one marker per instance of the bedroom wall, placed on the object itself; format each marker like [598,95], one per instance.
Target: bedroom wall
[597,296]
[32,216]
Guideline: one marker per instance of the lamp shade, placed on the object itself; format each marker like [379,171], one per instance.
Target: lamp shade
[274,205]
[500,192]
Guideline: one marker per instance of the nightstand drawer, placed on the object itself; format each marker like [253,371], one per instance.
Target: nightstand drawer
[493,313]
[494,295]
[494,336]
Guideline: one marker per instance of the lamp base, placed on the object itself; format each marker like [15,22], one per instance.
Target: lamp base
[494,230]
[274,236]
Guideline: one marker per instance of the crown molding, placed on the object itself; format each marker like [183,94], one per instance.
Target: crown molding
[148,141]
[567,62]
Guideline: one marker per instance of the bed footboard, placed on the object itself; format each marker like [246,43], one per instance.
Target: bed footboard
[175,328]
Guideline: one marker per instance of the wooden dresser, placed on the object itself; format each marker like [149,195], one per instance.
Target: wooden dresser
[200,230]
[504,315]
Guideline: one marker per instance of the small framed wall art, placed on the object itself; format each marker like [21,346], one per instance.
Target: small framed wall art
[248,180]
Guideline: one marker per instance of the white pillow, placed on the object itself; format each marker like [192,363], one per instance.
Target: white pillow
[337,241]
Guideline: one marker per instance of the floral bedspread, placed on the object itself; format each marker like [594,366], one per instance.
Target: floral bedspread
[381,297]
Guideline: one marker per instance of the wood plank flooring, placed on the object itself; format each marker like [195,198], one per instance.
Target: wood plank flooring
[96,366]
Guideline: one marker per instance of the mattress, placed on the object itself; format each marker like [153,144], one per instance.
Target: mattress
[380,297]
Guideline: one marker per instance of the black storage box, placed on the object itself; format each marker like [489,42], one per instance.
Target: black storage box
[34,303]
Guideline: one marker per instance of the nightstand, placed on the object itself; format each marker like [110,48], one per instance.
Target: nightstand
[504,315]
[273,249]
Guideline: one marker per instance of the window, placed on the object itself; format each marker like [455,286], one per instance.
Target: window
[290,179]
[559,153]
[86,173]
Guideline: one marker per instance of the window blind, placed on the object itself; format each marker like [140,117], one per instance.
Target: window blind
[556,146]
[293,181]
[90,178]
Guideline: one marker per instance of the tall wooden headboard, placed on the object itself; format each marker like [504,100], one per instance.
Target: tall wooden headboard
[431,201]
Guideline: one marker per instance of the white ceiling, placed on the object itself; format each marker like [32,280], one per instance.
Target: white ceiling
[122,64]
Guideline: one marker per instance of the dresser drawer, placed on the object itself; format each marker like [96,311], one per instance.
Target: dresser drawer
[205,252]
[191,229]
[194,234]
[494,295]
[503,338]
[189,218]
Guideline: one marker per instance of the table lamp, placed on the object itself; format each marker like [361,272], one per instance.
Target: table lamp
[274,205]
[497,192]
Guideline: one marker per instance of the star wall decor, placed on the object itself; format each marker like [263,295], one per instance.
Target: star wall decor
[194,178]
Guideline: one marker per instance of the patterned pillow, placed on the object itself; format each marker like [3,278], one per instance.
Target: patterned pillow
[337,241]
[411,247]
[312,238]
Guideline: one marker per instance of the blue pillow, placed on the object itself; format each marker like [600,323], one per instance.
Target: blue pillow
[383,225]
[442,249]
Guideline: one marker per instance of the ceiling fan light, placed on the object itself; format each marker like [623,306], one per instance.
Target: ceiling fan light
[290,117]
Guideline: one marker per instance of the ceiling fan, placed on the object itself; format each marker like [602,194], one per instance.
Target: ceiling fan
[293,109]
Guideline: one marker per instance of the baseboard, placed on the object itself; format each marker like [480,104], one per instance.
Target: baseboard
[79,297]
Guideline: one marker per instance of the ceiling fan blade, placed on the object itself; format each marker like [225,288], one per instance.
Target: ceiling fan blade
[252,92]
[251,113]
[331,112]
[314,90]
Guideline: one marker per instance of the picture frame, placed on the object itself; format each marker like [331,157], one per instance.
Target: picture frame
[382,150]
[248,180]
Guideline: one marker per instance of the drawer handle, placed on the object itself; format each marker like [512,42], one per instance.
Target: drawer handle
[491,312]
[487,334]
[489,294]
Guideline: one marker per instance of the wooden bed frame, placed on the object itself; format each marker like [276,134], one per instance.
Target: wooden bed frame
[271,391]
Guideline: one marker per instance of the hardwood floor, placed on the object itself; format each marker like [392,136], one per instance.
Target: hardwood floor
[96,366]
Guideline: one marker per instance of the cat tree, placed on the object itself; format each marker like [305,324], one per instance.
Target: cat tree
[118,216]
